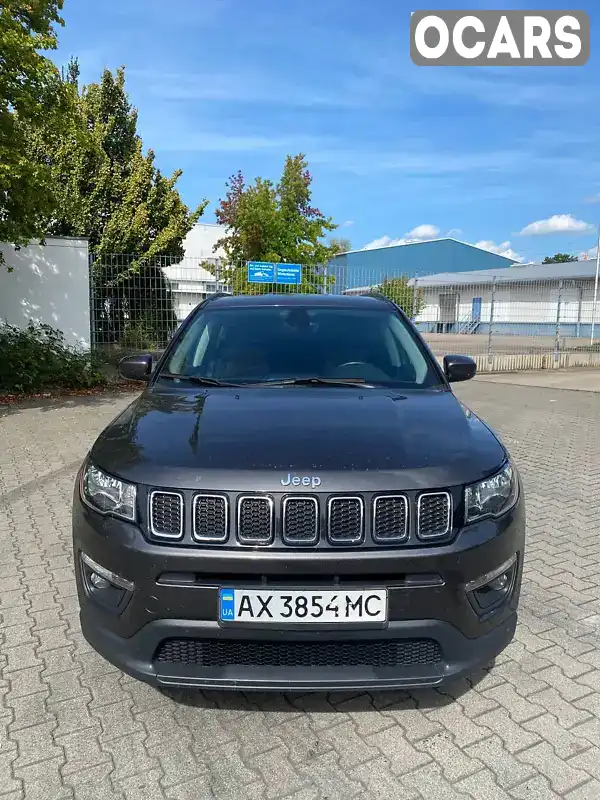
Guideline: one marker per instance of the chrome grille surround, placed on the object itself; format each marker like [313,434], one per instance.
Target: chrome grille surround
[220,508]
[264,506]
[355,509]
[383,515]
[434,515]
[288,521]
[157,517]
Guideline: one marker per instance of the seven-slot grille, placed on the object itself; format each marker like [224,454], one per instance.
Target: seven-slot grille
[211,523]
[300,520]
[434,512]
[344,518]
[255,520]
[166,515]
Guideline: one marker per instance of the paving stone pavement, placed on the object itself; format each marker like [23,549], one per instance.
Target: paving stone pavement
[72,726]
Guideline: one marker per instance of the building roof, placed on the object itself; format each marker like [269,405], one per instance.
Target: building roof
[575,270]
[528,272]
[409,243]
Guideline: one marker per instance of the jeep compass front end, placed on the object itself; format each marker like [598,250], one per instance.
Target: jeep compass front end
[298,501]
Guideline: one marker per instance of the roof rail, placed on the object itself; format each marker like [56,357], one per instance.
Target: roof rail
[215,296]
[384,298]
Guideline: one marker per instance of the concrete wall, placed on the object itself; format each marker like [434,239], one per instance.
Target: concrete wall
[49,284]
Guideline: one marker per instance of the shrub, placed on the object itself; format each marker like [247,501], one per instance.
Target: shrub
[37,358]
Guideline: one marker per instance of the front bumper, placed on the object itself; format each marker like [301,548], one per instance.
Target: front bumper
[176,598]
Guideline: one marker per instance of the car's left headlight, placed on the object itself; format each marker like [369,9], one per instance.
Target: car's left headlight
[107,494]
[493,496]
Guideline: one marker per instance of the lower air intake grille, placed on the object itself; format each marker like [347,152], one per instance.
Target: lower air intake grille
[345,520]
[300,520]
[166,515]
[434,515]
[255,520]
[235,652]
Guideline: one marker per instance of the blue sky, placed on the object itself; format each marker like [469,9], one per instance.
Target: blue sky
[508,157]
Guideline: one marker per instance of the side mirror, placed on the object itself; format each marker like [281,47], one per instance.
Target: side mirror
[136,368]
[459,368]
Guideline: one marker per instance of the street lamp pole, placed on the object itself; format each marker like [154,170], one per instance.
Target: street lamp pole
[595,287]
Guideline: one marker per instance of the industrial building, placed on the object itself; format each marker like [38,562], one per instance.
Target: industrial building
[528,300]
[190,282]
[367,267]
[531,300]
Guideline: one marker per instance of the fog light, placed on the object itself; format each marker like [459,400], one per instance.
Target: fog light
[492,589]
[109,577]
[98,581]
[499,584]
[103,586]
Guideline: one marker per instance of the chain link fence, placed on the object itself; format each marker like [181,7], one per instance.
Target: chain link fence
[503,321]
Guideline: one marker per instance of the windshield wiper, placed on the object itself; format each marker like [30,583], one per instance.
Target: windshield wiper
[198,379]
[352,382]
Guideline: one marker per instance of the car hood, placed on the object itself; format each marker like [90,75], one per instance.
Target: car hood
[253,438]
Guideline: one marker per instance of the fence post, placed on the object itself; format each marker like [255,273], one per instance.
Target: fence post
[493,300]
[92,301]
[415,291]
[557,337]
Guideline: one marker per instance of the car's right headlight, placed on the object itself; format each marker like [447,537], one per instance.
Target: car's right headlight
[493,496]
[107,494]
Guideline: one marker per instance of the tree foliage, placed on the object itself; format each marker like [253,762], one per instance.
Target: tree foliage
[341,244]
[110,191]
[31,95]
[400,291]
[274,223]
[559,258]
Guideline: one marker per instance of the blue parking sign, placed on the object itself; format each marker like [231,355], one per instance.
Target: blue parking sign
[267,272]
[288,273]
[261,272]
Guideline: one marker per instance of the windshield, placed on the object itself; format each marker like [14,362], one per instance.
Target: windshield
[270,343]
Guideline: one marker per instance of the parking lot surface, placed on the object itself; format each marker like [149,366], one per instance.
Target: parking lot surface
[72,726]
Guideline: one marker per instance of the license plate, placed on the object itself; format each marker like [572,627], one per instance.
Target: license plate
[256,605]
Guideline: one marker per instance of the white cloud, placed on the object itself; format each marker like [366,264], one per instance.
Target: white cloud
[595,198]
[502,249]
[423,232]
[348,223]
[383,241]
[558,223]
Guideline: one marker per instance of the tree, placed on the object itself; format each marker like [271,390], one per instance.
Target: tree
[341,245]
[274,223]
[31,94]
[559,258]
[403,294]
[110,191]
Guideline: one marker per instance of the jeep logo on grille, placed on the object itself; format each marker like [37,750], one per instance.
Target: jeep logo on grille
[301,480]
